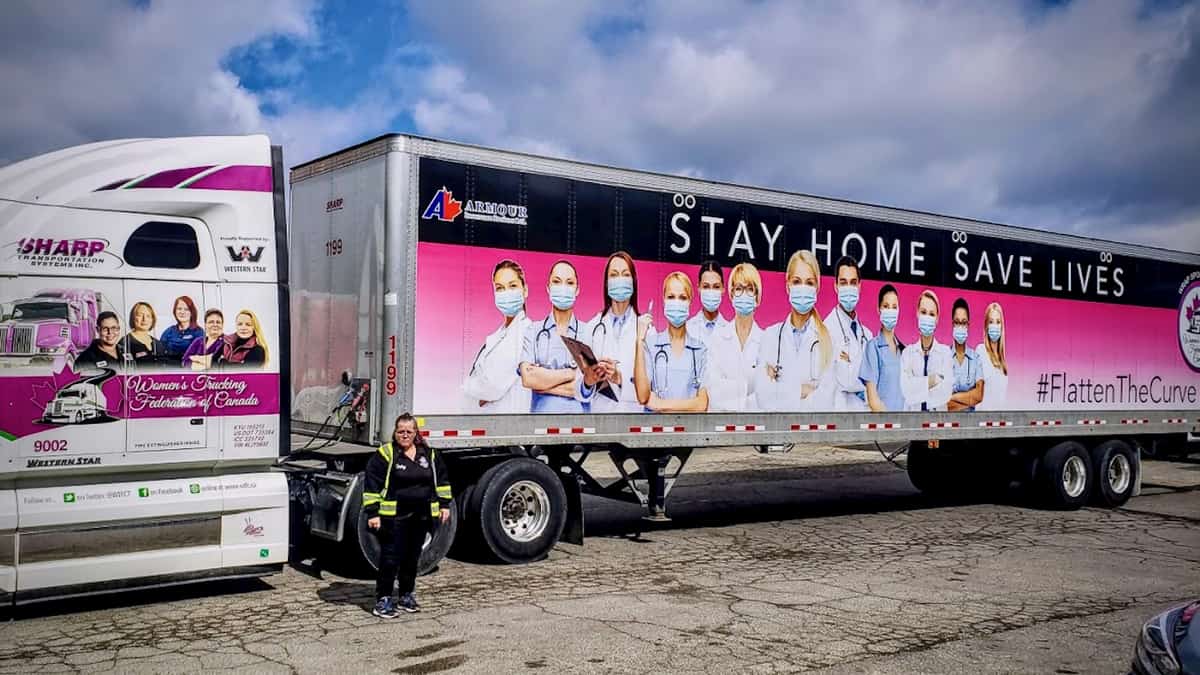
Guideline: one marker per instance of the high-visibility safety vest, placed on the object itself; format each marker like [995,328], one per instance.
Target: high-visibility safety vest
[388,507]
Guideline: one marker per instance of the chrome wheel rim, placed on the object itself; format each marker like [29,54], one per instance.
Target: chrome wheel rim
[1120,474]
[524,511]
[1074,476]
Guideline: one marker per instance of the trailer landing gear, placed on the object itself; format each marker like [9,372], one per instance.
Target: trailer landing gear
[647,475]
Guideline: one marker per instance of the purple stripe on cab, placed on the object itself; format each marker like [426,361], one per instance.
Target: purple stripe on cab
[171,178]
[240,177]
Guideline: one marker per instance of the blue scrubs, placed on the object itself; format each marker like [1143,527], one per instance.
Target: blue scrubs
[543,347]
[671,376]
[881,366]
[967,373]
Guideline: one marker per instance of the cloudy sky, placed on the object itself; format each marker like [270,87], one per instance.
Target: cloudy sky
[1078,115]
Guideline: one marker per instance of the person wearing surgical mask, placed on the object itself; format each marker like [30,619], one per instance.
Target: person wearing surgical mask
[708,320]
[795,357]
[547,367]
[493,384]
[926,370]
[733,349]
[670,366]
[850,338]
[992,358]
[612,335]
[968,373]
[880,371]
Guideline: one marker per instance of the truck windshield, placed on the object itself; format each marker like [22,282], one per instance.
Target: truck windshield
[40,310]
[70,394]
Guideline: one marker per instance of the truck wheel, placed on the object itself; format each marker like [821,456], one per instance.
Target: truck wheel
[520,506]
[926,473]
[365,547]
[1065,476]
[1114,466]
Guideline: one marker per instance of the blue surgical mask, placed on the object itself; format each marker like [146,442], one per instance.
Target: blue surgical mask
[802,297]
[960,335]
[889,317]
[710,298]
[676,311]
[848,297]
[744,303]
[620,288]
[926,324]
[562,296]
[994,332]
[510,301]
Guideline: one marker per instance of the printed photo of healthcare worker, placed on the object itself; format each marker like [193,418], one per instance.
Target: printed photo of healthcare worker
[880,371]
[669,369]
[547,367]
[992,360]
[733,349]
[493,384]
[612,334]
[968,375]
[708,320]
[926,373]
[850,338]
[795,359]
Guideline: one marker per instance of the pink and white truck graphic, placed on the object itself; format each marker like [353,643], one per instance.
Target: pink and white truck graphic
[54,323]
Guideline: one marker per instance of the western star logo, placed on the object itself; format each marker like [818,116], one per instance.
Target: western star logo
[244,254]
[443,207]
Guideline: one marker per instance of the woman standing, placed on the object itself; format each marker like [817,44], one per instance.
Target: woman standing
[178,338]
[406,486]
[246,345]
[795,358]
[992,358]
[140,344]
[493,385]
[669,367]
[612,334]
[547,367]
[968,376]
[733,349]
[880,371]
[199,354]
[926,373]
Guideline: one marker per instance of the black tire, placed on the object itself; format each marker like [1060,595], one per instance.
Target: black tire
[520,480]
[1065,477]
[1115,467]
[364,544]
[927,472]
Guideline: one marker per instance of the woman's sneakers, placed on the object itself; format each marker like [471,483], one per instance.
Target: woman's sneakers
[386,609]
[408,603]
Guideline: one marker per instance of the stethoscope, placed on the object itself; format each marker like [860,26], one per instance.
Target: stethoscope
[779,350]
[475,363]
[862,337]
[598,345]
[572,328]
[666,371]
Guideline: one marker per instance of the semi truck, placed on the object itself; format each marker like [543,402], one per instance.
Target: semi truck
[534,313]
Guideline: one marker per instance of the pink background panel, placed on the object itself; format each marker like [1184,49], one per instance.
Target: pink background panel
[455,313]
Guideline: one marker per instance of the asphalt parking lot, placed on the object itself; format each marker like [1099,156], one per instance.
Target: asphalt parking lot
[819,560]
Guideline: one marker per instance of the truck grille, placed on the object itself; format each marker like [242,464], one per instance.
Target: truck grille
[58,407]
[22,340]
[3,338]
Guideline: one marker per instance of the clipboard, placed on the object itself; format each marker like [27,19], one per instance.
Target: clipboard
[583,354]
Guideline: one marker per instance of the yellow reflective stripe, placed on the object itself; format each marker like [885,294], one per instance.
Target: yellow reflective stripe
[371,498]
[443,492]
[435,509]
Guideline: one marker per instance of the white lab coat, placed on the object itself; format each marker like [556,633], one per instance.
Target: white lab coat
[493,375]
[995,382]
[799,366]
[602,336]
[849,385]
[697,326]
[915,384]
[732,368]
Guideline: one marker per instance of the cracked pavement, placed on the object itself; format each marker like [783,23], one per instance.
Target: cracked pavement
[818,560]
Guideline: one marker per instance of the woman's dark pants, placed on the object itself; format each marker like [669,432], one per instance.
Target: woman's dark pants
[400,541]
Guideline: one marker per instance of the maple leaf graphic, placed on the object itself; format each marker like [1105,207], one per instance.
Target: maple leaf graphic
[453,206]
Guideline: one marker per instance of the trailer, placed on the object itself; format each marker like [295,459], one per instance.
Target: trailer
[441,278]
